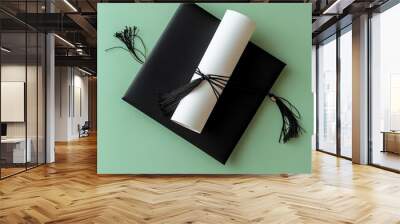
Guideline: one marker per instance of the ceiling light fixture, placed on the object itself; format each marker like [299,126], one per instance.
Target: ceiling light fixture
[84,71]
[5,50]
[79,51]
[64,40]
[70,5]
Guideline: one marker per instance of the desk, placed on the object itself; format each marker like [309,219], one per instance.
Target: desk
[391,141]
[17,150]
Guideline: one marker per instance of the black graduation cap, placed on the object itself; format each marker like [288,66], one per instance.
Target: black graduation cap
[171,65]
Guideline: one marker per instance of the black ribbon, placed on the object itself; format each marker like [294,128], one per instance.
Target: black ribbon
[217,82]
[291,127]
[169,101]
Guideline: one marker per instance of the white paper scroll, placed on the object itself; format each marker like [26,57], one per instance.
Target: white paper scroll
[220,58]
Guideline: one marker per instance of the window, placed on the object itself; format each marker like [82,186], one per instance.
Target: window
[326,59]
[385,89]
[346,92]
[334,92]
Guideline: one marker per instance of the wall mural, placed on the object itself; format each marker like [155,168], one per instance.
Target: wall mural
[205,79]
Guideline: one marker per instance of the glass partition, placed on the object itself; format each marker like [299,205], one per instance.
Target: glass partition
[32,95]
[23,89]
[14,153]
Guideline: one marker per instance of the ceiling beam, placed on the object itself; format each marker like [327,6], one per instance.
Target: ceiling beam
[49,22]
[337,7]
[84,24]
[321,21]
[81,61]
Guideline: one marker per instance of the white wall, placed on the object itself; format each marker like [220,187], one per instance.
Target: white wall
[70,83]
[17,72]
[9,73]
[33,127]
[62,81]
[79,117]
[13,101]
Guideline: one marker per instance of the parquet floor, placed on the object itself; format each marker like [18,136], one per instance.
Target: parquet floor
[69,191]
[10,171]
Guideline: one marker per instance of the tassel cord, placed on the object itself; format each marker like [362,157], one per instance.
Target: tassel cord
[128,37]
[178,93]
[169,101]
[144,46]
[133,56]
[291,127]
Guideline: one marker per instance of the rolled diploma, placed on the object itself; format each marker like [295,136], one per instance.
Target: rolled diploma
[222,55]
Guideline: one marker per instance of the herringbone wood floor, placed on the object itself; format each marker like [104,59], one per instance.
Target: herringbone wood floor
[69,191]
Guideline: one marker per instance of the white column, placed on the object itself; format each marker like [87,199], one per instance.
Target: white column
[360,90]
[50,100]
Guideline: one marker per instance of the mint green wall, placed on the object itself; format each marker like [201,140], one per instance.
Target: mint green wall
[130,142]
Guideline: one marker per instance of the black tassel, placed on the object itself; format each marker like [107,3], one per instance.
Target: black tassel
[169,101]
[291,127]
[128,37]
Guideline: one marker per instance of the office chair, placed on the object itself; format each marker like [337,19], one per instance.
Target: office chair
[84,130]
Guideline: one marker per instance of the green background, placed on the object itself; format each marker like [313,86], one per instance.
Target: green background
[129,142]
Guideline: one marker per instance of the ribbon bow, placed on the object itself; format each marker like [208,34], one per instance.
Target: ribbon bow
[170,100]
[217,82]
